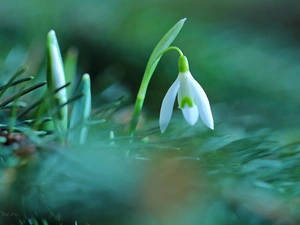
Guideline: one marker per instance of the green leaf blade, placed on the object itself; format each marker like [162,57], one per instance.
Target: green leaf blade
[81,112]
[166,41]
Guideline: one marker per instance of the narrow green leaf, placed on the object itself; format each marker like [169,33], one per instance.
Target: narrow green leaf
[81,112]
[17,82]
[22,93]
[56,79]
[96,122]
[70,65]
[56,111]
[73,99]
[41,111]
[11,80]
[42,103]
[18,104]
[13,115]
[166,41]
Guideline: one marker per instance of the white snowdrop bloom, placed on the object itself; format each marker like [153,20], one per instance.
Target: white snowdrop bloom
[192,99]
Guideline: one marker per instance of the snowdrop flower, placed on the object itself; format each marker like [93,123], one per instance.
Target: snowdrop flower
[192,99]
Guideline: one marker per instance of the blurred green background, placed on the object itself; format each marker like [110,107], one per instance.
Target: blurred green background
[245,54]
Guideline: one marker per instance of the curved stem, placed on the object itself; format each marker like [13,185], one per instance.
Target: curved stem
[168,49]
[143,88]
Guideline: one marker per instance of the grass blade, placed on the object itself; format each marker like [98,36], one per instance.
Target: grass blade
[22,93]
[11,80]
[45,97]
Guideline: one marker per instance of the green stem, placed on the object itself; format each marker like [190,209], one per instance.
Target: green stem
[143,88]
[168,49]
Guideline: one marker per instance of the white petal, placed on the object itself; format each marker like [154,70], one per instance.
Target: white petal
[202,104]
[167,106]
[185,89]
[191,115]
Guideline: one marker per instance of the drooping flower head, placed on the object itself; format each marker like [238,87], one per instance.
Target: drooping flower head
[192,99]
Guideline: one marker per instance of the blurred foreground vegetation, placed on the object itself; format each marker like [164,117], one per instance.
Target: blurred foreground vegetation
[245,54]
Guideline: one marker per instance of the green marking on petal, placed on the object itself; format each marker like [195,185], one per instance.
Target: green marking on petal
[186,101]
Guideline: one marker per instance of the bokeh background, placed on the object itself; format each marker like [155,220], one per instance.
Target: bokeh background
[244,53]
[246,56]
